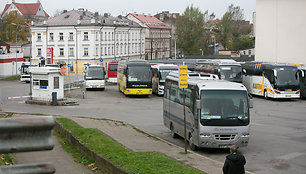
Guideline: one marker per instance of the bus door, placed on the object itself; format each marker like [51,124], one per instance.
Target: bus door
[166,106]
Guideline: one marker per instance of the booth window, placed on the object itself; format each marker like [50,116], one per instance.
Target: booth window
[56,82]
[43,84]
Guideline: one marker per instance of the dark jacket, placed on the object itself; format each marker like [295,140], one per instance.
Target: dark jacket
[234,164]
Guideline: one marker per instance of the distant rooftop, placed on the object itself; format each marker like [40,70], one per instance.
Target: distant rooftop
[150,21]
[84,17]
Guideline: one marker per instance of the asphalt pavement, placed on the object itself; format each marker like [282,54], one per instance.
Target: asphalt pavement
[129,137]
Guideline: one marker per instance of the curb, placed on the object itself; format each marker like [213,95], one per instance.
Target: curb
[104,165]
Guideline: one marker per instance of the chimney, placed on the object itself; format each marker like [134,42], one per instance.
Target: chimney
[93,21]
[105,15]
[96,14]
[120,16]
[78,21]
[64,11]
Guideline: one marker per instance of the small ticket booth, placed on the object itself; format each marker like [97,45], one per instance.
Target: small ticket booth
[45,81]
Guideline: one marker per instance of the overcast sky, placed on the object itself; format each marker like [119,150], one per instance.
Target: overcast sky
[117,7]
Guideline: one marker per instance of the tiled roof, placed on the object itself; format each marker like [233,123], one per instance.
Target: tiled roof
[5,8]
[150,21]
[80,17]
[25,8]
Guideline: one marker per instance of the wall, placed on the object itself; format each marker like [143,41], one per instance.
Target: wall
[280,31]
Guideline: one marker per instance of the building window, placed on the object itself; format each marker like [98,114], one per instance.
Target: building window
[85,51]
[105,36]
[71,51]
[38,51]
[109,36]
[61,51]
[70,36]
[112,35]
[61,36]
[38,36]
[105,51]
[97,36]
[101,51]
[96,51]
[85,35]
[51,36]
[108,50]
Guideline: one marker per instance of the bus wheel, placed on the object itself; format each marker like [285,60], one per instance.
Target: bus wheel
[191,145]
[266,94]
[173,134]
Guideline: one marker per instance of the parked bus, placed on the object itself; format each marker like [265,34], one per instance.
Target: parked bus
[95,77]
[302,78]
[134,77]
[160,72]
[271,80]
[226,69]
[25,75]
[217,112]
[112,71]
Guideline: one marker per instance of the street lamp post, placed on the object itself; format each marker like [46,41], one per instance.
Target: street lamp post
[25,26]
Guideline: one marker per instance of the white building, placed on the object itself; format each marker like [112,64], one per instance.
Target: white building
[280,31]
[79,37]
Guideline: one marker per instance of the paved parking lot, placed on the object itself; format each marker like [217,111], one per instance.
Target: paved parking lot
[277,143]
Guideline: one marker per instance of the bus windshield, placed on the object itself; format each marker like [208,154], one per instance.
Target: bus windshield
[286,76]
[139,74]
[231,73]
[163,74]
[224,107]
[96,73]
[112,67]
[24,69]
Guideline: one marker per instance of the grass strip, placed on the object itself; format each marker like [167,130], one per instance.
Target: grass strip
[132,162]
[12,78]
[6,159]
[77,155]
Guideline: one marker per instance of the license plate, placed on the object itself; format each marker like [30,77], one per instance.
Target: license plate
[224,146]
[288,96]
[139,93]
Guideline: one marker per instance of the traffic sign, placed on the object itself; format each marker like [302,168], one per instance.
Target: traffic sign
[101,60]
[183,77]
[41,58]
[63,70]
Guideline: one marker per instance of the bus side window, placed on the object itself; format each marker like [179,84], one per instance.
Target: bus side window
[173,92]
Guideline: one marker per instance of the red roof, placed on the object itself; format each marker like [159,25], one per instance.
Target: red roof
[25,8]
[150,21]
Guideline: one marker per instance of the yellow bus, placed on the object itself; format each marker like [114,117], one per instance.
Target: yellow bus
[134,77]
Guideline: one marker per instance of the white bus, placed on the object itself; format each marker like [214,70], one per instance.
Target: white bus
[271,80]
[94,77]
[217,112]
[159,74]
[226,69]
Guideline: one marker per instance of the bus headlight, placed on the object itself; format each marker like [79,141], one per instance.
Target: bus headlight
[161,87]
[277,91]
[245,135]
[205,135]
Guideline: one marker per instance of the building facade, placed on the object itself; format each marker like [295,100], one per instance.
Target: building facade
[81,37]
[280,31]
[30,11]
[170,19]
[157,36]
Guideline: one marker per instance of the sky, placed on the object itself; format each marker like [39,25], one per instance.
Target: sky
[152,7]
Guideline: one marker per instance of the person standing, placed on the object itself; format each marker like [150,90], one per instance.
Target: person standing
[234,162]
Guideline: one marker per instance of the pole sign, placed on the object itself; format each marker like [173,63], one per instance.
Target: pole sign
[183,77]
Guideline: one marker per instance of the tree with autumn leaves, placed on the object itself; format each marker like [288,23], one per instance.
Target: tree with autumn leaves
[9,30]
